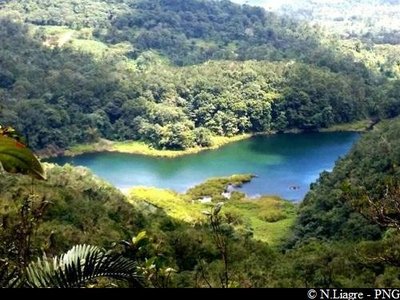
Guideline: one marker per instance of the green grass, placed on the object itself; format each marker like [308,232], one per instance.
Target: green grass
[219,141]
[139,147]
[175,205]
[98,49]
[82,148]
[214,187]
[359,126]
[269,218]
[95,48]
[82,40]
[56,30]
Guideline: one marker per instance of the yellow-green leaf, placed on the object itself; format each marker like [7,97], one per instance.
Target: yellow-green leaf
[15,157]
[140,237]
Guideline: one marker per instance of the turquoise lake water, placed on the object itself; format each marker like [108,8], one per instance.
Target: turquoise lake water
[285,164]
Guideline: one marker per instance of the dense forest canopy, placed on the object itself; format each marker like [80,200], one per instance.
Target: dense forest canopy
[76,72]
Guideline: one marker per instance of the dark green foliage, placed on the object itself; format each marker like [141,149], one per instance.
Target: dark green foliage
[8,276]
[332,264]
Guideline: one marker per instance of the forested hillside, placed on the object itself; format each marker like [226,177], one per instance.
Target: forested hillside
[187,32]
[112,69]
[356,205]
[366,180]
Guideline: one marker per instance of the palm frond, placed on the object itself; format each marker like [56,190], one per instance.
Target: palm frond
[76,267]
[8,278]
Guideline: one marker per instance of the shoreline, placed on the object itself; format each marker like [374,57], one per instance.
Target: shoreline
[141,148]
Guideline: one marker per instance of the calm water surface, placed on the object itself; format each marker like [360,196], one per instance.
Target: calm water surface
[285,164]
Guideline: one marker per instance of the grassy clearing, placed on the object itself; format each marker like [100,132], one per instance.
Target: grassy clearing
[219,141]
[80,149]
[359,126]
[56,30]
[95,48]
[57,36]
[268,218]
[175,205]
[138,147]
[81,40]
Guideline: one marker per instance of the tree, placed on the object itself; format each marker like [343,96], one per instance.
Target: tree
[220,241]
[202,137]
[383,209]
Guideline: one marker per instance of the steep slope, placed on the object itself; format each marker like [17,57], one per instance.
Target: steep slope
[370,172]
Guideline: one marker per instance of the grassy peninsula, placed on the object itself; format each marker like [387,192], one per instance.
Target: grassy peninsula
[142,148]
[267,218]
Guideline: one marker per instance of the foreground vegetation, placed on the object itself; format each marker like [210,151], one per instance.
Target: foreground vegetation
[78,208]
[212,236]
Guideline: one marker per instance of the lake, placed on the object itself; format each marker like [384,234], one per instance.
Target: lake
[284,164]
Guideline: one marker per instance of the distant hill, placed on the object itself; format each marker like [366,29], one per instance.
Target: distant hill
[376,20]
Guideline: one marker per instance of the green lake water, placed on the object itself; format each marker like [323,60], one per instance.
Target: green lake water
[285,164]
